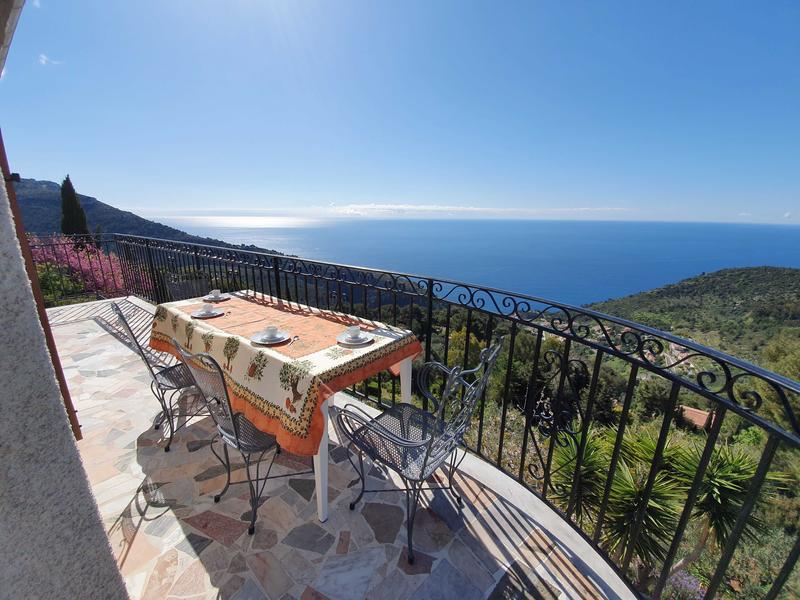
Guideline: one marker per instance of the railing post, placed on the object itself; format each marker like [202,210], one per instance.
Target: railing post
[151,267]
[276,270]
[429,333]
[196,260]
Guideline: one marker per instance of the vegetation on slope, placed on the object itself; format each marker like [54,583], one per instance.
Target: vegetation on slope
[737,311]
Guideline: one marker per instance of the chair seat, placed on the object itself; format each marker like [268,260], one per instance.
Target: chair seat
[251,439]
[175,377]
[410,423]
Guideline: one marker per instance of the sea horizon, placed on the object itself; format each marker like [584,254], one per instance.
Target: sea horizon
[571,261]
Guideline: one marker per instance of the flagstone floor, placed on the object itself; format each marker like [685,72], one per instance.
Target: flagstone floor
[172,541]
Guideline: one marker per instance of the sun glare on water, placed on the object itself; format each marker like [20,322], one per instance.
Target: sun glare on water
[255,221]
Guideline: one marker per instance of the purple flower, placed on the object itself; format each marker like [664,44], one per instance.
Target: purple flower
[683,586]
[96,270]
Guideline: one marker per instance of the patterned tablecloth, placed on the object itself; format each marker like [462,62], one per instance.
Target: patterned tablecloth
[280,388]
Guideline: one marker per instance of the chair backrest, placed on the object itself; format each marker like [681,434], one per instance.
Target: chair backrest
[208,378]
[123,323]
[463,390]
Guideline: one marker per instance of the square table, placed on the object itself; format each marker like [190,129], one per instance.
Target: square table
[284,389]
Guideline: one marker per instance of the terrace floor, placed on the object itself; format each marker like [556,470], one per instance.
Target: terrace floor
[172,541]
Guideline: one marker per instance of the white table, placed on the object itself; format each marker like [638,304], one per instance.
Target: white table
[321,457]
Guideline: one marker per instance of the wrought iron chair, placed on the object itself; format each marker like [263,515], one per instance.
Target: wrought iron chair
[233,429]
[172,386]
[414,442]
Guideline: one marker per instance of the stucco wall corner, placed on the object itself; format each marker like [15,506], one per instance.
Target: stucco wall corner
[52,540]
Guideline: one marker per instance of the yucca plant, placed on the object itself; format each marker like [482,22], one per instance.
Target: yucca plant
[722,494]
[719,501]
[594,468]
[626,494]
[659,517]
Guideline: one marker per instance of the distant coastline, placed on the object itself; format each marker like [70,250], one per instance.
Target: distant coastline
[577,262]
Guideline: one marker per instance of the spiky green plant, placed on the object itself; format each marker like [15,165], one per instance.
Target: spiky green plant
[659,517]
[594,468]
[722,494]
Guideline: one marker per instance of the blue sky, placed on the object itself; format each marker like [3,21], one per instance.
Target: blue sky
[590,110]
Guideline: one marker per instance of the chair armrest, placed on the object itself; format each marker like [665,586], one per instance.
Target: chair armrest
[352,420]
[423,381]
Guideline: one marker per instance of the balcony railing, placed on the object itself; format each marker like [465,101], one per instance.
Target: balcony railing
[585,409]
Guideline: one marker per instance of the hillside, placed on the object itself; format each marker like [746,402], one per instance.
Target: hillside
[40,204]
[735,310]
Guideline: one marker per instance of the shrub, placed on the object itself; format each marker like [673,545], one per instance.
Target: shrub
[84,266]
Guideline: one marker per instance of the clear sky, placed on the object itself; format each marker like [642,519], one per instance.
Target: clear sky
[591,110]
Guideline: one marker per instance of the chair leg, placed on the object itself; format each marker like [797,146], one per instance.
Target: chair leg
[363,480]
[412,501]
[252,528]
[257,485]
[161,402]
[451,472]
[227,464]
[171,420]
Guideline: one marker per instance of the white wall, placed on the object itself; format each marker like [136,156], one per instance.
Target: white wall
[52,541]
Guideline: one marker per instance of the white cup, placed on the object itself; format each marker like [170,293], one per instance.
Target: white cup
[208,308]
[215,293]
[354,332]
[271,332]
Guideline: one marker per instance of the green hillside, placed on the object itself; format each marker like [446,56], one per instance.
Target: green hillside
[735,310]
[40,205]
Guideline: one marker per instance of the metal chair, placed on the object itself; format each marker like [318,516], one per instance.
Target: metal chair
[413,442]
[172,386]
[233,429]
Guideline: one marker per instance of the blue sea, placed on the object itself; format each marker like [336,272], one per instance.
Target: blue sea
[576,262]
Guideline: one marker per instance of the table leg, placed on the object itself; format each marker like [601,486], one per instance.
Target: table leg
[405,380]
[321,469]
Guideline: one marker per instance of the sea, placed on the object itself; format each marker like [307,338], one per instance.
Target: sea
[574,262]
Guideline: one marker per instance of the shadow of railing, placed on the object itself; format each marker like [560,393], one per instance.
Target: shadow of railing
[138,315]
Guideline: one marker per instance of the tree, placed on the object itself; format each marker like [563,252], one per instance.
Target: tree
[230,350]
[290,376]
[98,237]
[652,395]
[782,355]
[73,219]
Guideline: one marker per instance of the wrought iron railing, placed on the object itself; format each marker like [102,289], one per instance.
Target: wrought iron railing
[587,410]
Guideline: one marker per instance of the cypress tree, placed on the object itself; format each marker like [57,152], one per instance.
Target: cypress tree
[73,219]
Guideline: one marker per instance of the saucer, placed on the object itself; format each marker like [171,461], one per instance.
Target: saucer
[362,340]
[201,314]
[220,298]
[260,338]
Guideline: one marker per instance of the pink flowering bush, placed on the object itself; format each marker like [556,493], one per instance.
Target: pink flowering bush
[83,264]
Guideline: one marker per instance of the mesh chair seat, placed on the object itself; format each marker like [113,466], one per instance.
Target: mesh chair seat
[410,423]
[175,377]
[235,430]
[251,439]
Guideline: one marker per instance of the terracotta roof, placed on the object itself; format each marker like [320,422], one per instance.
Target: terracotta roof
[696,416]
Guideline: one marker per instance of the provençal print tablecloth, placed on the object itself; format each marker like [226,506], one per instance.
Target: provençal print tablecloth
[281,388]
